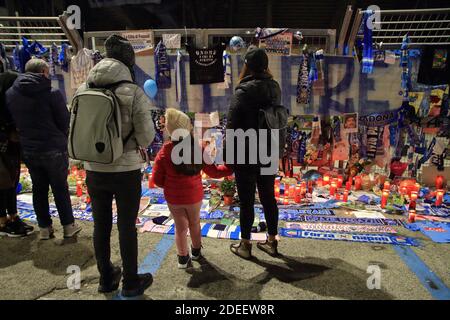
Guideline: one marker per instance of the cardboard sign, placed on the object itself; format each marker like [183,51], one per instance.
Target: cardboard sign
[172,41]
[280,44]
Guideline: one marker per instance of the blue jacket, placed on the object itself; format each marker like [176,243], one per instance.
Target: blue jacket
[40,114]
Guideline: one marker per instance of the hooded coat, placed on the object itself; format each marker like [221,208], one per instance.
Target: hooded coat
[40,114]
[135,109]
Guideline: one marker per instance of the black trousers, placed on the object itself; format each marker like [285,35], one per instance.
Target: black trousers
[125,187]
[50,169]
[8,197]
[247,179]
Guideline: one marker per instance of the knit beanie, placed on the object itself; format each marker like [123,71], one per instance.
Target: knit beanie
[176,119]
[256,59]
[120,49]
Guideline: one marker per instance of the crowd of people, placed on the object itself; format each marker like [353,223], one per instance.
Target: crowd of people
[34,129]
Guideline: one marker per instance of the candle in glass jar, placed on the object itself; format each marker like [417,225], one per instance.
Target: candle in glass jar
[319,182]
[340,181]
[298,195]
[286,191]
[439,182]
[345,198]
[286,200]
[439,197]
[333,188]
[338,196]
[403,190]
[417,187]
[277,191]
[384,198]
[326,179]
[412,201]
[387,185]
[151,184]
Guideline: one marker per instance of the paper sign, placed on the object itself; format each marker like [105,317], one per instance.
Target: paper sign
[207,120]
[280,44]
[172,41]
[140,39]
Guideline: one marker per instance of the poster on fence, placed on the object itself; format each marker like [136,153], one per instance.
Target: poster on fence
[280,44]
[141,40]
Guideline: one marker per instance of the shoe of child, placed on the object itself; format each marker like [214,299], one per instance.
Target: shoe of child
[183,261]
[196,254]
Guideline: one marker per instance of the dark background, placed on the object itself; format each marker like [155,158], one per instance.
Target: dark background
[160,14]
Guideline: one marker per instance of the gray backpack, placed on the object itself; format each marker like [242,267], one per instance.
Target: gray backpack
[96,126]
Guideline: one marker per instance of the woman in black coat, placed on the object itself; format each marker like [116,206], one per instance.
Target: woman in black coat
[10,223]
[256,90]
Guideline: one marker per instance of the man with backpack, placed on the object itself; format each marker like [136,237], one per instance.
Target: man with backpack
[110,120]
[41,117]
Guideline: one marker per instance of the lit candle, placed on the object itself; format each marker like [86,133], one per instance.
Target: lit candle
[340,181]
[384,198]
[286,191]
[358,183]
[298,195]
[326,179]
[387,185]
[439,182]
[310,187]
[79,188]
[417,187]
[277,191]
[345,199]
[286,200]
[412,201]
[412,215]
[439,197]
[333,188]
[338,196]
[403,190]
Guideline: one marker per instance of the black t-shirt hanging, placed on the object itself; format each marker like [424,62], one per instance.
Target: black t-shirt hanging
[435,66]
[206,65]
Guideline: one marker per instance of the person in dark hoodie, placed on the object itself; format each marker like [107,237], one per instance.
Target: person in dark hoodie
[42,119]
[255,90]
[10,223]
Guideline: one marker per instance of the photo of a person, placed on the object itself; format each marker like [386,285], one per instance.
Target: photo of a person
[350,122]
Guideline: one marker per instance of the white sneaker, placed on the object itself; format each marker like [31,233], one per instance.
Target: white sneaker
[71,229]
[46,233]
[184,261]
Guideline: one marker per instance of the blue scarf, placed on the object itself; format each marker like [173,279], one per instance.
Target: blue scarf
[162,67]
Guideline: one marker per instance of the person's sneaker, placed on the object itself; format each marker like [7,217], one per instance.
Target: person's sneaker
[71,229]
[13,229]
[196,254]
[46,233]
[242,249]
[269,247]
[29,229]
[145,281]
[113,283]
[183,261]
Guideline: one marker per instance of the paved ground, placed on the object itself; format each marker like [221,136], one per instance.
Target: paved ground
[308,269]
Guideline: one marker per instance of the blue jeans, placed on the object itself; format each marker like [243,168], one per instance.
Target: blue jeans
[50,169]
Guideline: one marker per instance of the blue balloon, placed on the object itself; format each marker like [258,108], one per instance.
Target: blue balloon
[150,88]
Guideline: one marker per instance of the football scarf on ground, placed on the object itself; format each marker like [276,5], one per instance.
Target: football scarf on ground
[372,238]
[332,227]
[367,221]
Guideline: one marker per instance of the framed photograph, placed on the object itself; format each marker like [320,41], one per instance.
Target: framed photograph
[350,122]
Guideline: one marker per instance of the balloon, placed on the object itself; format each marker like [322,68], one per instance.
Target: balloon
[150,88]
[237,43]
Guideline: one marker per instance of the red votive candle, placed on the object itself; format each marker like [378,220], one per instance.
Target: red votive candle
[439,197]
[412,201]
[411,215]
[387,185]
[338,196]
[277,190]
[348,185]
[333,188]
[79,188]
[345,199]
[439,182]
[417,187]
[326,179]
[340,181]
[319,182]
[384,198]
[151,184]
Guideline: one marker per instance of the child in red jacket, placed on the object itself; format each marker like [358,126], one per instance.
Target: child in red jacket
[182,184]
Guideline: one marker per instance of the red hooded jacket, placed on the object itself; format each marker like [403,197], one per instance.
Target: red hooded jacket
[180,188]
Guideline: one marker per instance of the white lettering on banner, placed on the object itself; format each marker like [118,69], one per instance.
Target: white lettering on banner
[374,280]
[74,20]
[74,280]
